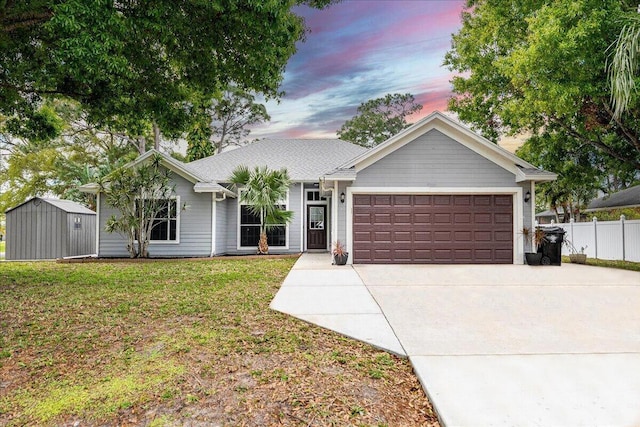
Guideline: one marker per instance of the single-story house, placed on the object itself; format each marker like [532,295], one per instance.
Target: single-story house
[45,228]
[624,199]
[434,193]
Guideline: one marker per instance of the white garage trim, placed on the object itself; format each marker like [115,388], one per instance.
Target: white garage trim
[518,219]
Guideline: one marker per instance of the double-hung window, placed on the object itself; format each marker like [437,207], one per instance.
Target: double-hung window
[165,223]
[250,229]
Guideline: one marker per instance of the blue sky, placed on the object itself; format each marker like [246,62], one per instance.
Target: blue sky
[359,50]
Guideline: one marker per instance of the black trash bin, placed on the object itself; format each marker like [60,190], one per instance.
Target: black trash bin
[551,247]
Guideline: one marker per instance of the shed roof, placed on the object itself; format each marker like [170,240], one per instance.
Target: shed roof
[622,199]
[304,159]
[65,205]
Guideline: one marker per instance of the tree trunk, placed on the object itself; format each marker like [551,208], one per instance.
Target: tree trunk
[263,247]
[156,136]
[141,145]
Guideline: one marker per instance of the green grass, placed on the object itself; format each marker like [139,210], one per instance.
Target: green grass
[179,341]
[624,265]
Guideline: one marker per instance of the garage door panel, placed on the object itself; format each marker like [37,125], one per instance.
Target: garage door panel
[381,200]
[433,228]
[462,218]
[422,218]
[463,236]
[402,218]
[382,236]
[403,236]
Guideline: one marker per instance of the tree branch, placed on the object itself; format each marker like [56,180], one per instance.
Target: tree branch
[598,144]
[24,20]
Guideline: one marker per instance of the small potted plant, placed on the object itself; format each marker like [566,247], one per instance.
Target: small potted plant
[340,254]
[576,257]
[535,237]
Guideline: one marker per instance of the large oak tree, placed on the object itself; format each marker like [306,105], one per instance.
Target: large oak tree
[130,63]
[540,68]
[535,65]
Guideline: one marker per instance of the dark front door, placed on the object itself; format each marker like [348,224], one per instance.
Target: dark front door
[316,227]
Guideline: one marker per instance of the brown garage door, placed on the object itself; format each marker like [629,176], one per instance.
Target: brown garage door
[437,229]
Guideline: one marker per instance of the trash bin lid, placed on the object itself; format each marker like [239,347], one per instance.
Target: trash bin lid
[553,230]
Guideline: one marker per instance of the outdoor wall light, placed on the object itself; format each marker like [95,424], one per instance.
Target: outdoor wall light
[341,197]
[527,196]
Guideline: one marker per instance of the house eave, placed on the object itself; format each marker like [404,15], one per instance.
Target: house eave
[211,187]
[90,188]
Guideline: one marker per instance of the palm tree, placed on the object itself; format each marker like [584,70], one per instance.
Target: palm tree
[262,191]
[624,65]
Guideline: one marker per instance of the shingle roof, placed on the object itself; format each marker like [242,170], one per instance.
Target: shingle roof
[304,159]
[624,198]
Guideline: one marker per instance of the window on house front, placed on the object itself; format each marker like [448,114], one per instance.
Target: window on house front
[250,229]
[165,223]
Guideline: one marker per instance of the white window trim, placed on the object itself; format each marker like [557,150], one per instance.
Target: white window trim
[178,215]
[239,240]
[518,219]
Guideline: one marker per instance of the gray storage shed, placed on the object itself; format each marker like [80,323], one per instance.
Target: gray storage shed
[42,228]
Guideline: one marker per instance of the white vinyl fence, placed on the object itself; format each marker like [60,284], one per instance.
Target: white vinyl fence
[615,240]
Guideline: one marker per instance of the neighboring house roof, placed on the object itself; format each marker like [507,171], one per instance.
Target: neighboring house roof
[522,170]
[549,213]
[65,205]
[304,159]
[629,198]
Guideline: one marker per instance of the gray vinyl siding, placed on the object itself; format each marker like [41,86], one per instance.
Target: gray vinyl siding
[526,207]
[294,227]
[232,226]
[194,213]
[434,160]
[222,226]
[39,230]
[342,213]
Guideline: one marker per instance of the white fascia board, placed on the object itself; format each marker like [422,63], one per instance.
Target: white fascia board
[212,187]
[91,188]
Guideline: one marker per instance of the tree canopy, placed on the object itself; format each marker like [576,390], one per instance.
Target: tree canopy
[379,119]
[540,66]
[130,63]
[224,122]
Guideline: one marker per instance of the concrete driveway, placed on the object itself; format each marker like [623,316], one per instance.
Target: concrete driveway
[518,345]
[493,345]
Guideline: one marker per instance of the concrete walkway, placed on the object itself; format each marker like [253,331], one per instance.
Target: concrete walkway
[492,345]
[335,298]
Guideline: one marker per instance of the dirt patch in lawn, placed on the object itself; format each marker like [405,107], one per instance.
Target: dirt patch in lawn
[184,343]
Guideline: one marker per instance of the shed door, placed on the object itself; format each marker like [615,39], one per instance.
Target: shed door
[436,229]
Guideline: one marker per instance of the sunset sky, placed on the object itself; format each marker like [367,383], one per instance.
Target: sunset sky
[359,50]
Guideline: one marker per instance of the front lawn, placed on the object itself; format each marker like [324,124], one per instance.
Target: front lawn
[180,342]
